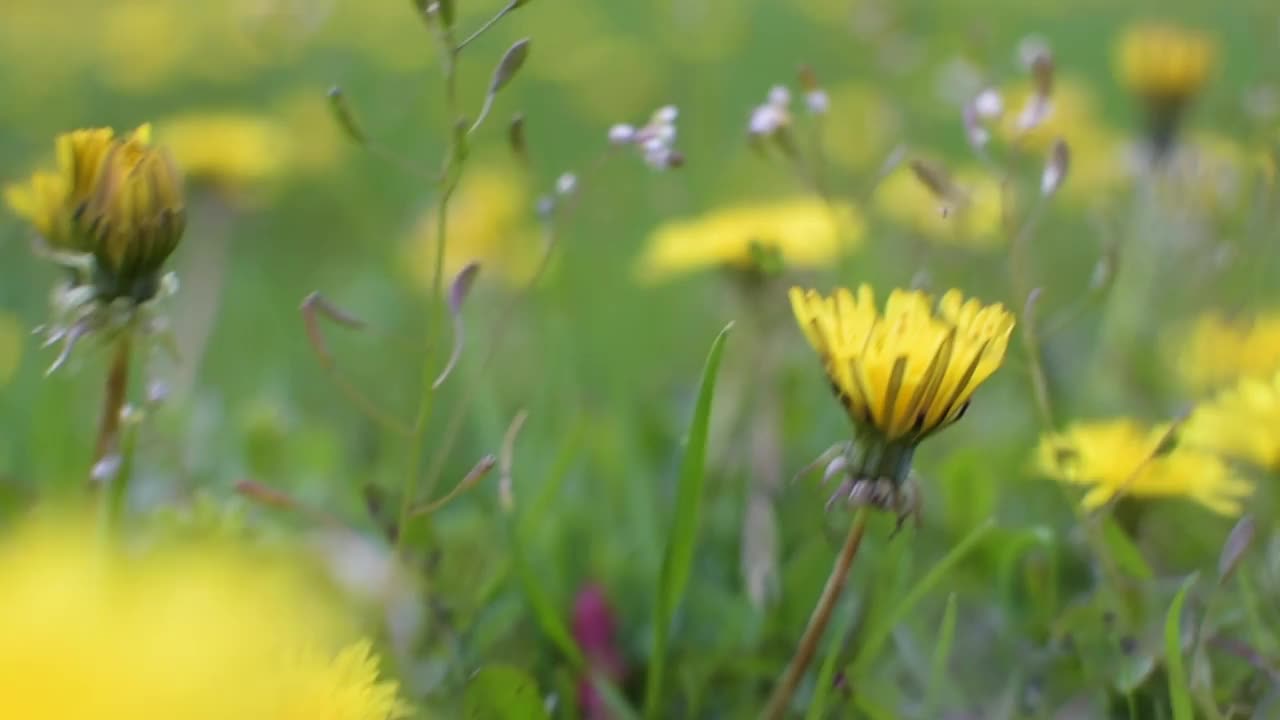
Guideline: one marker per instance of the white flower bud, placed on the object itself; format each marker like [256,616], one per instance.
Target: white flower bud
[621,134]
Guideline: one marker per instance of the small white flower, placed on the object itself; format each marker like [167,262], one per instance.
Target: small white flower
[666,115]
[988,104]
[566,183]
[817,102]
[621,134]
[779,96]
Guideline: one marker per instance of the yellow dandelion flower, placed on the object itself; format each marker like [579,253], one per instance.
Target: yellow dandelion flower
[118,199]
[1163,62]
[1073,110]
[1216,350]
[1240,422]
[803,232]
[1165,66]
[487,223]
[861,126]
[907,372]
[228,150]
[1124,458]
[968,214]
[198,629]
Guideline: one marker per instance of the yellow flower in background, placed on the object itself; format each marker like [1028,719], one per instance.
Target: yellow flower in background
[1123,457]
[12,335]
[1216,350]
[1164,63]
[1209,172]
[1240,422]
[911,370]
[804,233]
[967,213]
[228,150]
[190,629]
[488,222]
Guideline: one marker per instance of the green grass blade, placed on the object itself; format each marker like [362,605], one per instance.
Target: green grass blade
[827,673]
[941,655]
[677,561]
[1179,692]
[879,634]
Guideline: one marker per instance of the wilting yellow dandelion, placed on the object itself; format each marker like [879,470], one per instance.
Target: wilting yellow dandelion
[1240,422]
[227,150]
[192,629]
[965,210]
[802,232]
[1165,66]
[1216,350]
[119,200]
[488,222]
[907,372]
[1124,458]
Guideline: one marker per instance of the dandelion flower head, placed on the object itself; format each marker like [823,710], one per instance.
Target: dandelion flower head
[1240,422]
[910,370]
[190,630]
[1163,62]
[1125,458]
[804,233]
[1215,350]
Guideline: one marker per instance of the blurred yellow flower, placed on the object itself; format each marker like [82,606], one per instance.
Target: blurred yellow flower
[1240,423]
[1164,63]
[488,222]
[40,201]
[11,341]
[804,232]
[227,150]
[969,214]
[1122,457]
[198,629]
[1073,110]
[911,370]
[1216,350]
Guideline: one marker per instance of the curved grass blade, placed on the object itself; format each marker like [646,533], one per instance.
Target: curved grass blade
[677,561]
[1179,691]
[879,634]
[941,654]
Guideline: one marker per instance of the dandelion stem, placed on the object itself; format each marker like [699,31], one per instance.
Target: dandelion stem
[1026,296]
[113,402]
[818,619]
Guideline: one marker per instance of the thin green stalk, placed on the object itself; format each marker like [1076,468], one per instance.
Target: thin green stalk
[108,443]
[818,620]
[449,177]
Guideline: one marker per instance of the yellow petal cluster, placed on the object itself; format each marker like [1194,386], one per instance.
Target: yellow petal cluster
[118,199]
[1216,350]
[1165,63]
[1122,457]
[190,629]
[912,369]
[1240,422]
[804,233]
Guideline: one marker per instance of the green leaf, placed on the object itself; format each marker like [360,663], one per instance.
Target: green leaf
[878,634]
[677,561]
[1124,552]
[941,654]
[503,692]
[1179,692]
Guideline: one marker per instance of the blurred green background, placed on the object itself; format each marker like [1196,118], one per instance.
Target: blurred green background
[607,366]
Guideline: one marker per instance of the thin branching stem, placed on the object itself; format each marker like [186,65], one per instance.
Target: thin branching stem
[818,620]
[487,25]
